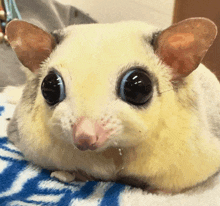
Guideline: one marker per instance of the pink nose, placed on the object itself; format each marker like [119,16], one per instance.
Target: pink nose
[88,134]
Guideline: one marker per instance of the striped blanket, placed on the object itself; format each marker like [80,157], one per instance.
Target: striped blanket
[23,184]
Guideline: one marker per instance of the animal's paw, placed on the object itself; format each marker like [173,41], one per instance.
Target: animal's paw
[63,176]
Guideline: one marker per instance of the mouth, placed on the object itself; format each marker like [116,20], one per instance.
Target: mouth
[86,144]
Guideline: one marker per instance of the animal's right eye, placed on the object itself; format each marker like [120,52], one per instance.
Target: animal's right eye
[53,88]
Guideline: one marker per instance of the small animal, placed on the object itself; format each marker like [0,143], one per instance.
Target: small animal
[122,102]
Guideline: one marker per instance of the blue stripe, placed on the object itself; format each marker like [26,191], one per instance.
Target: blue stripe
[11,150]
[12,172]
[3,140]
[111,197]
[15,161]
[86,190]
[83,193]
[1,110]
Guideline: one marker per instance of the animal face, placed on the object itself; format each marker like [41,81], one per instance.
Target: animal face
[109,75]
[108,79]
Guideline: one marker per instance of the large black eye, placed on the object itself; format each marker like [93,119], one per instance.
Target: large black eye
[53,88]
[135,87]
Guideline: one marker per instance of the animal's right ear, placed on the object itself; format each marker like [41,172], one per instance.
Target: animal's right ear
[31,44]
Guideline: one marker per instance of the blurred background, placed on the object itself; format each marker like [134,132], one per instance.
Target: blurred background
[161,13]
[158,12]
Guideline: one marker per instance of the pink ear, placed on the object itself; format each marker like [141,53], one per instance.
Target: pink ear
[31,44]
[183,45]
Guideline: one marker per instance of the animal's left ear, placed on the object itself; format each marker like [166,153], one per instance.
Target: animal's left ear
[183,45]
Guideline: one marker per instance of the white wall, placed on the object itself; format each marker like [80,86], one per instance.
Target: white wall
[157,12]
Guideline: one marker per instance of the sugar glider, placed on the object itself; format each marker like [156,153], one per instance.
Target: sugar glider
[122,102]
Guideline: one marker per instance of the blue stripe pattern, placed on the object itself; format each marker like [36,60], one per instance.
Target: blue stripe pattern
[1,110]
[22,183]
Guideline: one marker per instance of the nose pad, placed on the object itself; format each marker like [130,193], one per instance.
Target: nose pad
[89,134]
[84,134]
[85,142]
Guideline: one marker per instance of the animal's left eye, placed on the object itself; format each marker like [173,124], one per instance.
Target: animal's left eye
[52,88]
[135,87]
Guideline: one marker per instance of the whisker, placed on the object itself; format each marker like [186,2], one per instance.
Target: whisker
[166,91]
[61,133]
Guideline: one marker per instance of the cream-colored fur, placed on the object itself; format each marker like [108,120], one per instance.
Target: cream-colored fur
[169,143]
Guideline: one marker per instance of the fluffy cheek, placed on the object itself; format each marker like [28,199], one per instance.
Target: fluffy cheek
[60,123]
[135,128]
[114,129]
